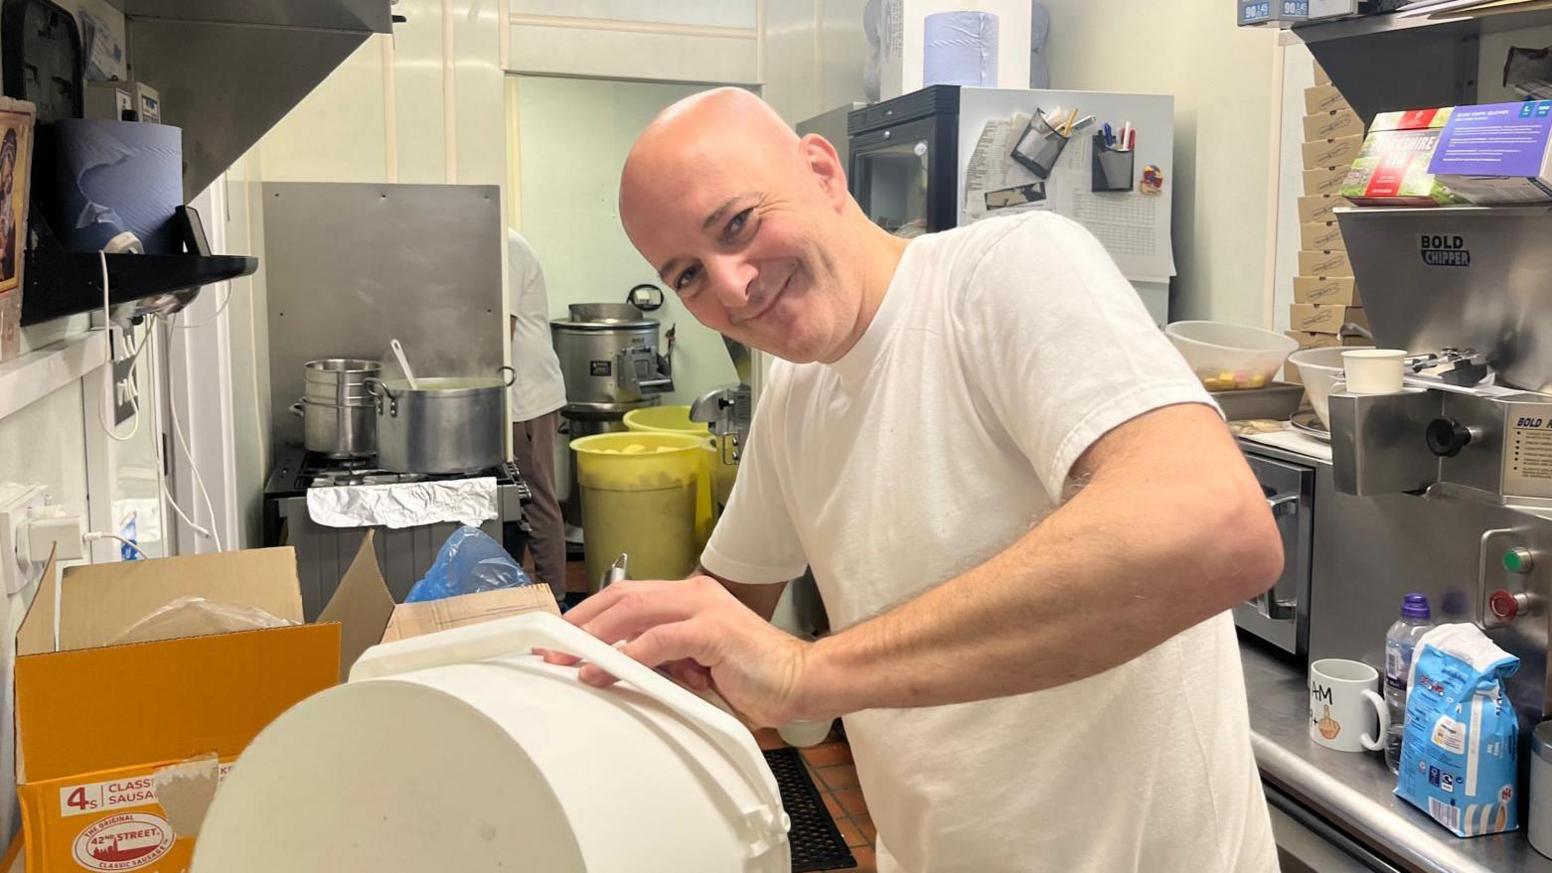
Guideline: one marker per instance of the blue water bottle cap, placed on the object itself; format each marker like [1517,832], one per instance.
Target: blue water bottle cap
[1416,606]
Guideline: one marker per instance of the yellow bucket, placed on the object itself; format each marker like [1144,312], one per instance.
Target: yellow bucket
[718,481]
[640,493]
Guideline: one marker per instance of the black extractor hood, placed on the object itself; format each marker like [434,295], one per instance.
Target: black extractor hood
[228,70]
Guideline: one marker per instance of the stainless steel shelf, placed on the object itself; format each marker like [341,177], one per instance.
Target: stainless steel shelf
[1391,23]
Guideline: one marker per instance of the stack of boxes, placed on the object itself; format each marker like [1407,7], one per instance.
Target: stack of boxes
[1325,296]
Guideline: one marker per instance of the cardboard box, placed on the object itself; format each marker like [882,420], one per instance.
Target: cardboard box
[1327,263]
[1392,167]
[1324,98]
[1325,180]
[1330,125]
[120,745]
[1321,236]
[1326,289]
[1312,318]
[1321,76]
[1339,152]
[903,46]
[417,619]
[1497,154]
[1316,208]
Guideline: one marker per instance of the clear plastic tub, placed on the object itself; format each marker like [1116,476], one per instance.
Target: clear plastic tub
[1320,369]
[1230,356]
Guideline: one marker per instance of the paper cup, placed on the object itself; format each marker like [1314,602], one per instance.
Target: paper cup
[1373,371]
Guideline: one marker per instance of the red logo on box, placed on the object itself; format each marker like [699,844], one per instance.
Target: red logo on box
[123,842]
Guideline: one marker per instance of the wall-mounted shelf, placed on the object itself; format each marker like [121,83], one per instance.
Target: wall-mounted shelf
[1369,26]
[1387,62]
[41,372]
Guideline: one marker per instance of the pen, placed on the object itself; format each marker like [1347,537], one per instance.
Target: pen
[1109,137]
[1131,139]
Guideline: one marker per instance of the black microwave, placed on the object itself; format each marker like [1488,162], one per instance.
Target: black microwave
[903,169]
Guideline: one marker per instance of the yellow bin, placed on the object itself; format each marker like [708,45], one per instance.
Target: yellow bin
[639,496]
[717,477]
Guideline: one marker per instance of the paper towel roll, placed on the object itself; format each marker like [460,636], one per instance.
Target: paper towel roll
[960,48]
[113,176]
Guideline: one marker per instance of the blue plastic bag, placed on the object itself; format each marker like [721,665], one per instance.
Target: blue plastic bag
[1458,751]
[468,563]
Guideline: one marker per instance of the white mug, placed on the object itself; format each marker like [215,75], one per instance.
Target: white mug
[1341,693]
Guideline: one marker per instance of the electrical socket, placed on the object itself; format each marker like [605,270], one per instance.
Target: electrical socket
[17,503]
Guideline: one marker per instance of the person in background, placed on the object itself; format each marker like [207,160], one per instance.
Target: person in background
[1024,513]
[536,396]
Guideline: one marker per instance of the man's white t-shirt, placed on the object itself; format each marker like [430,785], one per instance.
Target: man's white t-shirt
[1001,351]
[537,387]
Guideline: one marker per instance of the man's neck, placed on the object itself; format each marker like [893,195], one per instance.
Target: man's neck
[881,253]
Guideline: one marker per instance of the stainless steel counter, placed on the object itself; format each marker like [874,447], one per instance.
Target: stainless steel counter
[1354,791]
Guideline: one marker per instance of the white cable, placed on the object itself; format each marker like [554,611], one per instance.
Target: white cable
[177,429]
[211,320]
[134,358]
[161,464]
[93,535]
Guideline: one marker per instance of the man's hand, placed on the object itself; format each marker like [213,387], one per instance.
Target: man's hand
[703,636]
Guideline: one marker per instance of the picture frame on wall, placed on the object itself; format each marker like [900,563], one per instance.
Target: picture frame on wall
[17,119]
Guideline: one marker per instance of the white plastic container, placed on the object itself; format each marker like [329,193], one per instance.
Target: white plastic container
[1320,369]
[1374,371]
[1229,356]
[463,751]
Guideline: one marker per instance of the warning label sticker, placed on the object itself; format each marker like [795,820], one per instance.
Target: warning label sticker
[114,794]
[1527,457]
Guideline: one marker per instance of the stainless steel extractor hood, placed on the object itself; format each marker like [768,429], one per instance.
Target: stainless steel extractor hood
[228,70]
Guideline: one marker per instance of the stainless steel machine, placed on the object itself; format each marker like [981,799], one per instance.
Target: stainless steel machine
[612,359]
[1446,487]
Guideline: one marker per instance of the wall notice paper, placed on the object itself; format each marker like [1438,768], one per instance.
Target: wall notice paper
[466,501]
[1130,225]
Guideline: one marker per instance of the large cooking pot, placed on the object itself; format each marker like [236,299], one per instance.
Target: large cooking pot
[338,415]
[446,425]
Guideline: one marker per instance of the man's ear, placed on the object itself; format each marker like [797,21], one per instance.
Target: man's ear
[825,165]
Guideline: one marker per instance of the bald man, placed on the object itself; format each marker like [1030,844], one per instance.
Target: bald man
[1025,516]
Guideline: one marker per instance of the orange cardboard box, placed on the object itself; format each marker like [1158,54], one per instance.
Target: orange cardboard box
[120,745]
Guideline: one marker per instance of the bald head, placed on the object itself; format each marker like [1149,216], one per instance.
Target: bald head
[723,127]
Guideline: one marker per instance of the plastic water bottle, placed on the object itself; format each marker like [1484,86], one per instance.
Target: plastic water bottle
[1400,642]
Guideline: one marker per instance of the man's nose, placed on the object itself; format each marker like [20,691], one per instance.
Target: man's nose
[731,279]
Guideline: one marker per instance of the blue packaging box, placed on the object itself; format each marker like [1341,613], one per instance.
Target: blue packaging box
[1497,153]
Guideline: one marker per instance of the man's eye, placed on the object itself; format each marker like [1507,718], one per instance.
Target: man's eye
[686,278]
[736,224]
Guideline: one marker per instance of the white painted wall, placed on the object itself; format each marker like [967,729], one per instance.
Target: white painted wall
[573,135]
[1222,80]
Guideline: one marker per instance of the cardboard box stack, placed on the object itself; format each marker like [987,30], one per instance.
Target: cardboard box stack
[1325,294]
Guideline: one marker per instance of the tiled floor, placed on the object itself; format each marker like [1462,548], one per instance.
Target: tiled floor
[830,765]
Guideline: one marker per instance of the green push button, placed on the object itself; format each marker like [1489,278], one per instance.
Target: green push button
[1518,560]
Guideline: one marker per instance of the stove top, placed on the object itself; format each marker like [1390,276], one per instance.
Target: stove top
[297,470]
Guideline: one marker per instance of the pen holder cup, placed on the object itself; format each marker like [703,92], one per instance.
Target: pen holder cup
[1114,168]
[1040,147]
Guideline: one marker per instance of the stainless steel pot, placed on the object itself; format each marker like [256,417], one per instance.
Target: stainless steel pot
[446,425]
[609,353]
[338,415]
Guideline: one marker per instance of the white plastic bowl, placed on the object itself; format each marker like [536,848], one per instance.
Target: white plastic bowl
[1229,356]
[1320,369]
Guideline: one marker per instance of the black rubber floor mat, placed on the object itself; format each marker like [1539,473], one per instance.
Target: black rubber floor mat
[816,844]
